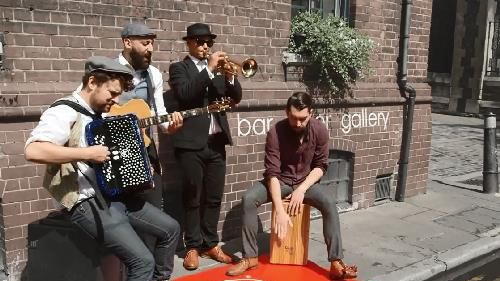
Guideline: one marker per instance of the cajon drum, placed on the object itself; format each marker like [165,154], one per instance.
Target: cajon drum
[293,249]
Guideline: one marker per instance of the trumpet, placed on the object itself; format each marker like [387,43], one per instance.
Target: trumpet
[247,68]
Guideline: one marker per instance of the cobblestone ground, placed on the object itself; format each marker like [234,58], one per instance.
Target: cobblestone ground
[457,145]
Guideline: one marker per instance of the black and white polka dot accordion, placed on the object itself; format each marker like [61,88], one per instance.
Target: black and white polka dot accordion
[129,169]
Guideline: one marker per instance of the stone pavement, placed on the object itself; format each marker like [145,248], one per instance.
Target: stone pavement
[453,223]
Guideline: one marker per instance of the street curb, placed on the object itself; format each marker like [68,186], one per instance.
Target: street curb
[446,261]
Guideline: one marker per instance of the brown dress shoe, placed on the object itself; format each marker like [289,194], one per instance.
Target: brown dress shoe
[217,254]
[191,260]
[244,265]
[341,271]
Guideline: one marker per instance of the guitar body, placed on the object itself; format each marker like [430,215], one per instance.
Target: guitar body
[135,106]
[141,109]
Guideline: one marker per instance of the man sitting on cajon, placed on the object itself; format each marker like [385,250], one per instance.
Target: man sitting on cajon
[296,157]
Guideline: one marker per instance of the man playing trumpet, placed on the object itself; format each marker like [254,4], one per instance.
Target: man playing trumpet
[199,145]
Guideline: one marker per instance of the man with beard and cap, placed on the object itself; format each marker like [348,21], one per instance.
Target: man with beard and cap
[138,44]
[200,143]
[296,157]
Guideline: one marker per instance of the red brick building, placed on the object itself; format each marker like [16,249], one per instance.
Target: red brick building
[45,43]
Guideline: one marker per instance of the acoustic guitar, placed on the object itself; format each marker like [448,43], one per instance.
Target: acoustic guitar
[143,112]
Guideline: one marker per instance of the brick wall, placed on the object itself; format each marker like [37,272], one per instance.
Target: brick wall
[47,42]
[380,20]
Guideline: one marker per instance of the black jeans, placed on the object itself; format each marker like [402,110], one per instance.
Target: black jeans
[116,230]
[203,186]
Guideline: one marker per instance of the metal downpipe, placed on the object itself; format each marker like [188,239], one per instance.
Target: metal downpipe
[409,106]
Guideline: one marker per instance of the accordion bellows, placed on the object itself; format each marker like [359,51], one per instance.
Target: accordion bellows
[129,169]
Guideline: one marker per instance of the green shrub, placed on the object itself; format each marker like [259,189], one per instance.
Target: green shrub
[340,54]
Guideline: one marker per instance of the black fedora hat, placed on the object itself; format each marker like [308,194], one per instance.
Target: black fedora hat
[198,30]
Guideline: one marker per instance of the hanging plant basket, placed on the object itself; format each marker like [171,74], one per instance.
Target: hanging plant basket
[339,54]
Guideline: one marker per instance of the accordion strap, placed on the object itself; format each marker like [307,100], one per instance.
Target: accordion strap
[78,108]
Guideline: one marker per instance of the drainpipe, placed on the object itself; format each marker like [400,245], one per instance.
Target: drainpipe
[409,93]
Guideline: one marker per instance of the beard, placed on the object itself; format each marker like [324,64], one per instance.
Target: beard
[140,61]
[299,131]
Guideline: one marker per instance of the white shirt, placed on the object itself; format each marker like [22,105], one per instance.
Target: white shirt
[202,64]
[55,127]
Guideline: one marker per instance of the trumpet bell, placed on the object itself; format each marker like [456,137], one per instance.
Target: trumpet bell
[249,67]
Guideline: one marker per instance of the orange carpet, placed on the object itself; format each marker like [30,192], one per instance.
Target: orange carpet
[265,272]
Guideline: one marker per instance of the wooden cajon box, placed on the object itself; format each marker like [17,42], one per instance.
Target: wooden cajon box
[294,247]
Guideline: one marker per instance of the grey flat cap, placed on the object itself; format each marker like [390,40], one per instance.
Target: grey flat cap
[137,29]
[100,63]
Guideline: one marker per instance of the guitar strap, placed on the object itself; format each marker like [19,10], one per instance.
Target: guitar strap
[79,108]
[152,152]
[149,84]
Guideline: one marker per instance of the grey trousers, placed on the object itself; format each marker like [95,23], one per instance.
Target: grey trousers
[320,196]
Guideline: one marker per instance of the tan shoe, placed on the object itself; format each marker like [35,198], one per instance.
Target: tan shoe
[217,254]
[244,265]
[191,261]
[341,271]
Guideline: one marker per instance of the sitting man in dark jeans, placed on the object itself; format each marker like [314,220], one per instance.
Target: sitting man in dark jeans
[59,141]
[296,157]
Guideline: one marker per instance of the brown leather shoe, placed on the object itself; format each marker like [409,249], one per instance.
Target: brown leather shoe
[217,254]
[341,271]
[244,265]
[191,260]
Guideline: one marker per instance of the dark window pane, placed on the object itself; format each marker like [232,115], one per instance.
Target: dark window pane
[299,6]
[338,8]
[339,174]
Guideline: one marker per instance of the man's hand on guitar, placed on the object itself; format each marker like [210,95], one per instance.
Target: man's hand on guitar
[97,154]
[175,124]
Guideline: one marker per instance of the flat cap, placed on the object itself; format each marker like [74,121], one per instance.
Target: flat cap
[100,63]
[137,29]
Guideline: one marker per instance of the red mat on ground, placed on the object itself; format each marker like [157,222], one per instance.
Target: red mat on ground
[265,272]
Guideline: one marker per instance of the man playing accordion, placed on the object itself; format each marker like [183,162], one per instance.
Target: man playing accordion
[59,141]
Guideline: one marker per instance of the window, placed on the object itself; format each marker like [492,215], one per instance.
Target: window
[340,173]
[339,8]
[383,185]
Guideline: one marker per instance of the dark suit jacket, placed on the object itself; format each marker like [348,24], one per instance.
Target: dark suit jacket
[193,89]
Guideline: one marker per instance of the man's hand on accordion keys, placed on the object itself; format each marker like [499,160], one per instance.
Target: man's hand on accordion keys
[175,124]
[97,153]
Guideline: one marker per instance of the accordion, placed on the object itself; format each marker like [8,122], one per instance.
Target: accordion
[129,169]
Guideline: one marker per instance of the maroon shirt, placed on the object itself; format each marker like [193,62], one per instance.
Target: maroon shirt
[291,161]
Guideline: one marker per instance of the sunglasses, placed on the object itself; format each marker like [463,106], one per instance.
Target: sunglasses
[201,42]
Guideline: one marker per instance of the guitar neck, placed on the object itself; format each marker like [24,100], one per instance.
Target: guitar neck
[155,120]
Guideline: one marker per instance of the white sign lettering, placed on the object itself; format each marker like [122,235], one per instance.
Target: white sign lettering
[348,122]
[258,126]
[364,119]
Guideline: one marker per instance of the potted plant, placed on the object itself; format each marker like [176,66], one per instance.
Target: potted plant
[340,55]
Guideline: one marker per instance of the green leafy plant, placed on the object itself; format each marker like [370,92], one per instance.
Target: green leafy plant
[340,55]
